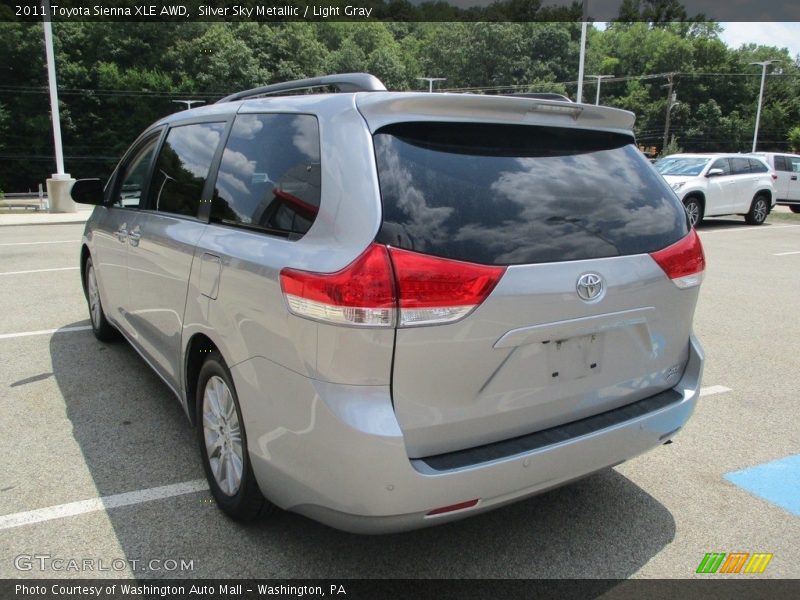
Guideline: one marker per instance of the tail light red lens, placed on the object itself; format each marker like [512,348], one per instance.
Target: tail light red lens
[361,294]
[383,282]
[438,290]
[683,261]
[774,175]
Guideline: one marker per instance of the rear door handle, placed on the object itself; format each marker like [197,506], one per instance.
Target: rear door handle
[794,177]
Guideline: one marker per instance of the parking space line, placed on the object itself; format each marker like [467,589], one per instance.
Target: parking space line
[8,336]
[750,228]
[713,389]
[37,243]
[786,253]
[40,271]
[103,503]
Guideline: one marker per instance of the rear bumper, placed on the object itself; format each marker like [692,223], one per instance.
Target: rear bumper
[336,454]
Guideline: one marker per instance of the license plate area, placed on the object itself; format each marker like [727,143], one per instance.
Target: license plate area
[574,358]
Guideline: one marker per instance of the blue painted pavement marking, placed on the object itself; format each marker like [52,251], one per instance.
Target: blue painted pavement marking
[777,482]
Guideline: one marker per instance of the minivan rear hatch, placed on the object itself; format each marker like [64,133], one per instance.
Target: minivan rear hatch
[582,319]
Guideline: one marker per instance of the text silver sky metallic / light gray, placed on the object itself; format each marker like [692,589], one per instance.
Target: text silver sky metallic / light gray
[391,310]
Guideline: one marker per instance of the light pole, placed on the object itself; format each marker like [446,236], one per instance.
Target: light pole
[189,103]
[430,81]
[581,60]
[60,183]
[764,64]
[599,79]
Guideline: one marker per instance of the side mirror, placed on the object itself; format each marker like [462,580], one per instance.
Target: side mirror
[87,191]
[715,173]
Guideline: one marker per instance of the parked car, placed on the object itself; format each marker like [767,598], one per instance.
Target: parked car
[713,185]
[787,186]
[391,310]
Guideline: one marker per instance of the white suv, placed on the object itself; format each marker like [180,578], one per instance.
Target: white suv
[711,185]
[787,186]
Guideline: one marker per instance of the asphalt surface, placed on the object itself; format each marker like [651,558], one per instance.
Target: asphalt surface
[82,420]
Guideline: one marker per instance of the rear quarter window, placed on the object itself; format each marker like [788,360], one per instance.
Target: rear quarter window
[269,177]
[507,194]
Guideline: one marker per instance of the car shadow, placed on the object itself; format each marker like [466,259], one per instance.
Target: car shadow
[134,435]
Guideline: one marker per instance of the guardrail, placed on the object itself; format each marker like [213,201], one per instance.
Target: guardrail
[34,200]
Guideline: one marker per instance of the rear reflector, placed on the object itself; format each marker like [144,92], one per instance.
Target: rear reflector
[361,294]
[453,507]
[435,290]
[683,261]
[383,282]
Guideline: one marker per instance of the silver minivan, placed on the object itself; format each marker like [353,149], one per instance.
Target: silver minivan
[390,310]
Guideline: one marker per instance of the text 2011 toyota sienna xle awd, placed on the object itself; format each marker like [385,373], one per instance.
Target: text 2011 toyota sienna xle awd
[390,310]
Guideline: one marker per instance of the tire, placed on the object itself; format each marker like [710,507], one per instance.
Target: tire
[759,210]
[795,208]
[694,210]
[223,443]
[102,329]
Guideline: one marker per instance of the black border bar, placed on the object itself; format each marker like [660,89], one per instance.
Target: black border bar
[401,10]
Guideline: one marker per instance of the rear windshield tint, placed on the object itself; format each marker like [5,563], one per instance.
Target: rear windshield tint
[509,194]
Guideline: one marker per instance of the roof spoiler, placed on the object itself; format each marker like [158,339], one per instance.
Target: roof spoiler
[344,82]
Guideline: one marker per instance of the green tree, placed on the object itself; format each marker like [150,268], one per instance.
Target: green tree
[794,138]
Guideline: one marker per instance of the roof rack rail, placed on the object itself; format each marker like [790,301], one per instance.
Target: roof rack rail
[344,82]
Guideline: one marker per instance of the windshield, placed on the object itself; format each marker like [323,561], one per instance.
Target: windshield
[681,166]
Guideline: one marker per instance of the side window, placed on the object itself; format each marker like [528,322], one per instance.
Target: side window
[781,164]
[182,168]
[740,165]
[133,178]
[795,163]
[722,163]
[269,177]
[756,166]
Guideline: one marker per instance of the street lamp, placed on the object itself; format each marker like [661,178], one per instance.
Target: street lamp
[599,79]
[764,64]
[582,56]
[430,81]
[189,103]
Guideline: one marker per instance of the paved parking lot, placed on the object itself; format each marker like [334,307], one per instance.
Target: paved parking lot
[83,421]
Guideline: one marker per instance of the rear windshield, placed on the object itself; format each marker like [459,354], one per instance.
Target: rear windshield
[509,194]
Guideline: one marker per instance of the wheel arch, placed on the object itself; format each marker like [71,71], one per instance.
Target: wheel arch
[85,255]
[698,195]
[764,192]
[198,347]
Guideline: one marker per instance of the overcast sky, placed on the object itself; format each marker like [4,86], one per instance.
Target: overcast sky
[766,33]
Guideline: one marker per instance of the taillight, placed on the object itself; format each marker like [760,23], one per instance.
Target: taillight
[361,294]
[435,290]
[683,261]
[774,175]
[382,282]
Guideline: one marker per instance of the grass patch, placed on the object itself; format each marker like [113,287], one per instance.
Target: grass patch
[783,217]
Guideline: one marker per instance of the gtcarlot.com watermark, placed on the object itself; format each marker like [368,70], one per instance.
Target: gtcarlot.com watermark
[60,564]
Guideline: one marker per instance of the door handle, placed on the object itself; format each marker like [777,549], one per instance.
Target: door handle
[122,233]
[794,177]
[134,237]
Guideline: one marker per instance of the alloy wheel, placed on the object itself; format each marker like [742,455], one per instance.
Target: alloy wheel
[223,436]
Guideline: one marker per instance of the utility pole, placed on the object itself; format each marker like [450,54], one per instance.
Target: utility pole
[764,64]
[430,81]
[599,79]
[671,101]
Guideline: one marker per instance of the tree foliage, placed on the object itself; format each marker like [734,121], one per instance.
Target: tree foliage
[117,78]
